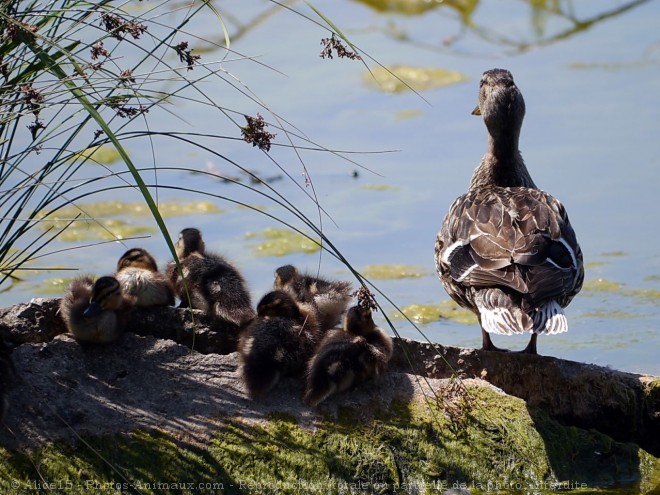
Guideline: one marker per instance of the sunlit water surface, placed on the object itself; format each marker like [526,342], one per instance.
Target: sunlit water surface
[591,80]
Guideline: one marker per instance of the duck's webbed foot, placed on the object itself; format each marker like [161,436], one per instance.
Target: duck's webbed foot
[487,344]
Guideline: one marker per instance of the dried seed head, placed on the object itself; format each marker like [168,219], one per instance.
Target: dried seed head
[255,132]
[333,43]
[365,299]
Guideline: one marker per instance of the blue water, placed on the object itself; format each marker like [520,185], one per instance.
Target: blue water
[589,137]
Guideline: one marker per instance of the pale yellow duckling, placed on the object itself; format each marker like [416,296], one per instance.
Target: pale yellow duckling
[95,312]
[138,274]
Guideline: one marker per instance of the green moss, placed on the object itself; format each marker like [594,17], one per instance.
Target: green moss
[280,242]
[393,271]
[403,78]
[410,448]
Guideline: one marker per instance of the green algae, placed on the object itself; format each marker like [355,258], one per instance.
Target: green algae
[97,220]
[651,296]
[379,187]
[408,114]
[427,313]
[403,78]
[100,229]
[594,264]
[280,242]
[601,285]
[610,314]
[167,209]
[393,271]
[53,286]
[105,154]
[410,448]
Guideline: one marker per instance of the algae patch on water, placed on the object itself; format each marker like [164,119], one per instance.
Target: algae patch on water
[379,187]
[393,271]
[427,313]
[104,155]
[280,242]
[402,78]
[109,220]
[601,285]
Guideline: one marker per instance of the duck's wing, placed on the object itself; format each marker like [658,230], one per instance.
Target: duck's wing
[514,238]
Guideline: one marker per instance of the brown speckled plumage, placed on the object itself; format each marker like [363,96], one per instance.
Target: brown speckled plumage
[347,356]
[506,249]
[278,342]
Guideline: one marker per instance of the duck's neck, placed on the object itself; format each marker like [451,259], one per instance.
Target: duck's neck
[502,165]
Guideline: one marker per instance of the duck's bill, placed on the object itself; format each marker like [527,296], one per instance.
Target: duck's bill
[94,309]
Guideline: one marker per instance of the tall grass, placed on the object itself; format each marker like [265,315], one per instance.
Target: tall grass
[77,77]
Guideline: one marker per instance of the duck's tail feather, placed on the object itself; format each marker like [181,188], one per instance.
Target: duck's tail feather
[500,314]
[550,319]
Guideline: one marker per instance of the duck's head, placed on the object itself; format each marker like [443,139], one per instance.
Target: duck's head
[106,296]
[501,103]
[137,258]
[190,241]
[278,303]
[358,321]
[284,275]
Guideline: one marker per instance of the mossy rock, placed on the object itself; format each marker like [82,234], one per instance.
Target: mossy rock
[474,437]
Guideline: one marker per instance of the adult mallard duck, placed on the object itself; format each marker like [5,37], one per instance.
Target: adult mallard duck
[138,274]
[210,282]
[348,356]
[95,312]
[506,249]
[278,342]
[330,297]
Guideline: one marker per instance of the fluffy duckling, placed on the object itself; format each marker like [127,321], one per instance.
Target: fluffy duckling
[506,250]
[348,356]
[7,375]
[330,297]
[278,342]
[213,284]
[95,312]
[138,275]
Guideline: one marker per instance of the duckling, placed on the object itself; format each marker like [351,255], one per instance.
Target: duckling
[278,342]
[506,250]
[138,275]
[331,297]
[212,284]
[348,356]
[95,312]
[7,376]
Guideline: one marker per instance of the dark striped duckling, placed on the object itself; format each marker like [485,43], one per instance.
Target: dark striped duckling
[278,342]
[95,312]
[7,376]
[212,283]
[330,297]
[348,356]
[138,274]
[507,250]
